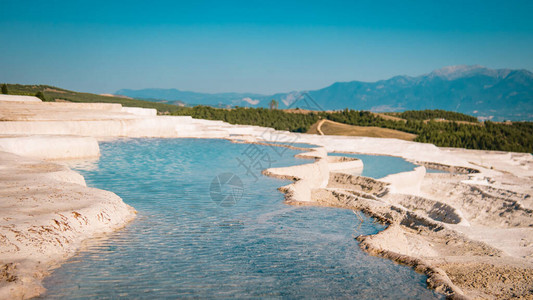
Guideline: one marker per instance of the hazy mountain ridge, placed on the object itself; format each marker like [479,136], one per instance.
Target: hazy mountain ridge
[170,95]
[487,93]
[475,90]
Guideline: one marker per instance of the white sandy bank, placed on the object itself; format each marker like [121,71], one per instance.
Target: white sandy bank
[46,211]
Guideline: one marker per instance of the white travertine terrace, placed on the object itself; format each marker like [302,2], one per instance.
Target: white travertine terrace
[140,111]
[17,98]
[308,176]
[456,228]
[51,146]
[344,164]
[406,182]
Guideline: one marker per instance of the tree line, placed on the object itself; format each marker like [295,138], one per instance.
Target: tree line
[273,118]
[516,136]
[431,114]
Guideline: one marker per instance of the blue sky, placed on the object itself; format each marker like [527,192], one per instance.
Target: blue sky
[253,46]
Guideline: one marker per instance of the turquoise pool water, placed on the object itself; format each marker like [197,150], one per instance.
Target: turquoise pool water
[379,166]
[185,244]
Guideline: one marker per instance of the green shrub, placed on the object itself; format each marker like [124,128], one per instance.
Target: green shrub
[41,96]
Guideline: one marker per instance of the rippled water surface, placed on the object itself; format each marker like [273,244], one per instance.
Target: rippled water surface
[185,244]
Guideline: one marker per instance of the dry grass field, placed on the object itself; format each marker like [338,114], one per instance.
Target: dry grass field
[334,128]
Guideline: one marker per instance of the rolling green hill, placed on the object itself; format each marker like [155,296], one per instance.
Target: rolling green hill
[52,93]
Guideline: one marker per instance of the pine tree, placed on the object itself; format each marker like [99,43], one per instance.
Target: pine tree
[40,95]
[4,89]
[273,104]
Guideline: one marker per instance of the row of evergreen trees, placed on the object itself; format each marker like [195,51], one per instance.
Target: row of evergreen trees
[273,118]
[430,114]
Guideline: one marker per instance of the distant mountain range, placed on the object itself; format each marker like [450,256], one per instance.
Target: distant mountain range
[501,94]
[193,98]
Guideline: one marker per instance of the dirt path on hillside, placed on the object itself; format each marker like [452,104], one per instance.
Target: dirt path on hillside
[318,127]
